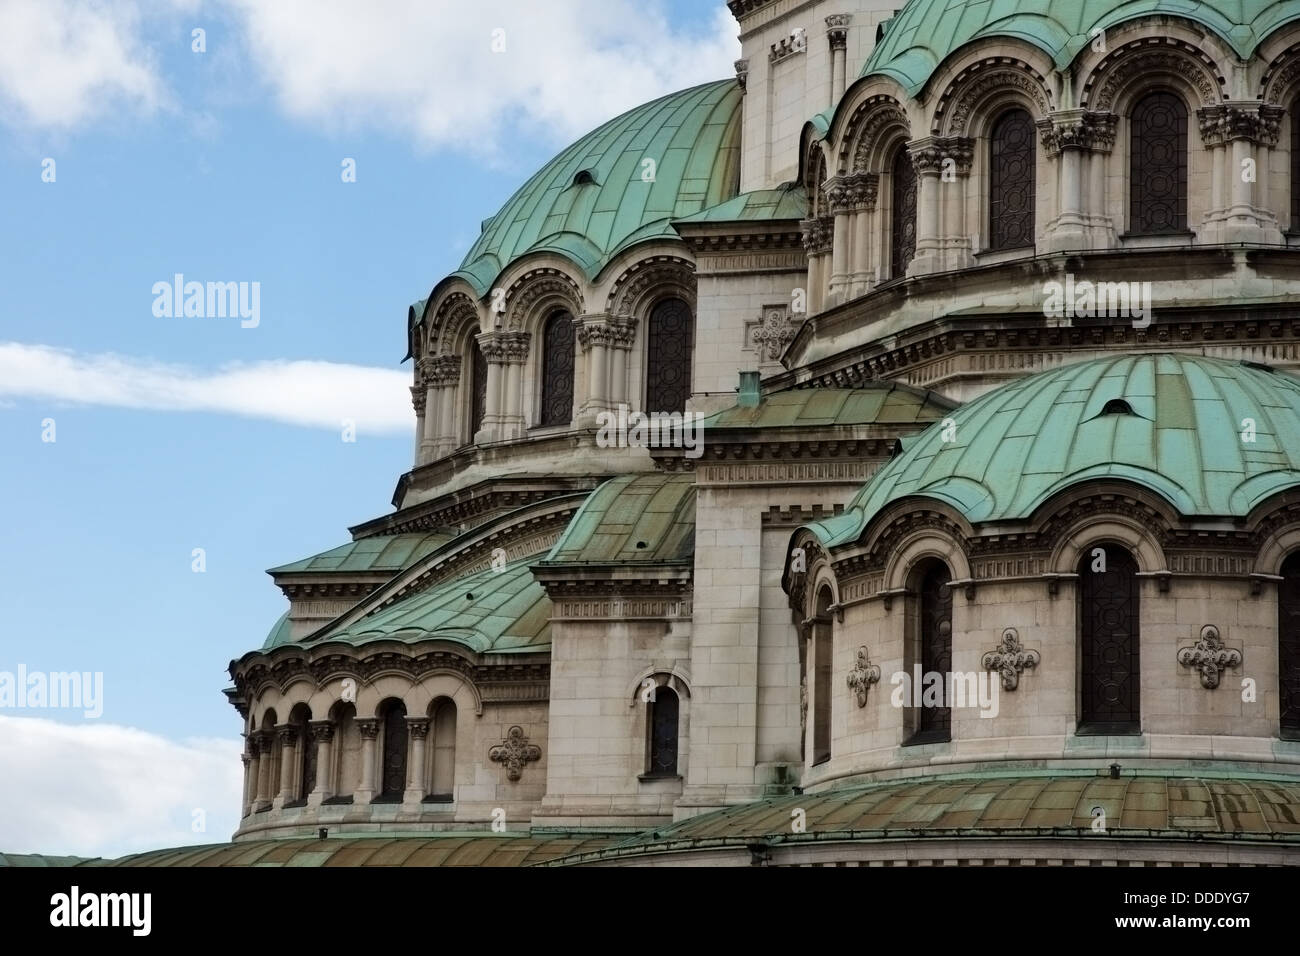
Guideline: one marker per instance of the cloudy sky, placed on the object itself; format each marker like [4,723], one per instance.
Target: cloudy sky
[128,157]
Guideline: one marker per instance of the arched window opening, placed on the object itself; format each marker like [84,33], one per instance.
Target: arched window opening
[393,763]
[1110,691]
[1288,647]
[1158,165]
[478,376]
[346,753]
[902,186]
[306,754]
[668,363]
[662,721]
[1011,181]
[823,651]
[1117,406]
[557,370]
[442,772]
[932,650]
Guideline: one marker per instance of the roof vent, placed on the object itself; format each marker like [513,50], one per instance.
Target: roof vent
[748,391]
[469,596]
[1117,406]
[1259,365]
[640,544]
[584,178]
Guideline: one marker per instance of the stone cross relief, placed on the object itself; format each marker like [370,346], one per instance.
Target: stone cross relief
[1210,657]
[515,751]
[863,675]
[769,334]
[1010,659]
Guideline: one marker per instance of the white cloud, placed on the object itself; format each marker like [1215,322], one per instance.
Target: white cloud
[428,71]
[314,394]
[65,62]
[105,790]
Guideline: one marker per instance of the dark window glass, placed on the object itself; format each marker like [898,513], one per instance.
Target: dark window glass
[478,388]
[307,756]
[557,370]
[823,650]
[394,763]
[1288,648]
[1295,164]
[668,367]
[935,723]
[1108,607]
[663,732]
[1011,182]
[902,244]
[1158,165]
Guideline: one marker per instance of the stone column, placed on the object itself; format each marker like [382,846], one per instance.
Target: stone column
[322,735]
[594,338]
[817,235]
[840,195]
[954,185]
[1077,139]
[424,396]
[862,277]
[265,743]
[622,336]
[1238,134]
[492,345]
[837,34]
[444,386]
[250,778]
[515,355]
[368,727]
[288,735]
[417,729]
[927,156]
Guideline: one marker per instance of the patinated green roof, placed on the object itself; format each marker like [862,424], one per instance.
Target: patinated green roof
[382,553]
[279,633]
[1201,807]
[878,403]
[497,610]
[925,32]
[692,136]
[476,848]
[789,201]
[1023,442]
[632,519]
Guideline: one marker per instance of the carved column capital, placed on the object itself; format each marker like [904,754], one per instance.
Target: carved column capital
[288,734]
[1086,130]
[417,727]
[817,234]
[932,154]
[1255,122]
[742,74]
[368,727]
[837,30]
[419,397]
[444,370]
[321,730]
[515,346]
[596,329]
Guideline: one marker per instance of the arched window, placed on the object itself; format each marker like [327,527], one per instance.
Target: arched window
[902,186]
[1011,181]
[393,766]
[1110,692]
[271,754]
[1158,165]
[1295,165]
[306,755]
[823,651]
[347,753]
[662,722]
[442,772]
[477,386]
[934,653]
[1288,647]
[557,370]
[668,366]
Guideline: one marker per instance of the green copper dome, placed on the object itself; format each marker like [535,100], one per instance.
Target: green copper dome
[597,197]
[1173,424]
[925,32]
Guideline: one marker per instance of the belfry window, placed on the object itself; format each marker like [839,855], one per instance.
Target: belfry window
[1011,181]
[557,370]
[393,765]
[1158,165]
[1288,647]
[662,719]
[902,188]
[668,363]
[1109,677]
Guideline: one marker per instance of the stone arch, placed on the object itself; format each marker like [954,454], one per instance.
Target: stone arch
[1280,83]
[453,316]
[985,88]
[1150,63]
[646,281]
[815,175]
[538,292]
[671,673]
[920,546]
[1094,531]
[873,114]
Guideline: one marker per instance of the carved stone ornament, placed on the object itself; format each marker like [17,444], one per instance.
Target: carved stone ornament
[1209,656]
[443,370]
[863,675]
[368,727]
[772,333]
[1078,129]
[1249,121]
[515,751]
[817,234]
[1010,659]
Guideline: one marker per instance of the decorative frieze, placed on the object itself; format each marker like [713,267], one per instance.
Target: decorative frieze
[514,752]
[1010,659]
[1209,657]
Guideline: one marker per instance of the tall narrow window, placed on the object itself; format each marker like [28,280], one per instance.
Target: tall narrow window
[1288,647]
[668,366]
[662,719]
[443,773]
[1110,695]
[1158,165]
[902,244]
[301,719]
[557,370]
[477,386]
[1295,165]
[934,722]
[823,649]
[347,753]
[1011,181]
[393,767]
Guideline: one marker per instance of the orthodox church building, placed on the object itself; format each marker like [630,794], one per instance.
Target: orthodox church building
[972,532]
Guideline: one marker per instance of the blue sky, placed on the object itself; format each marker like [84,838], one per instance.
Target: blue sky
[179,433]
